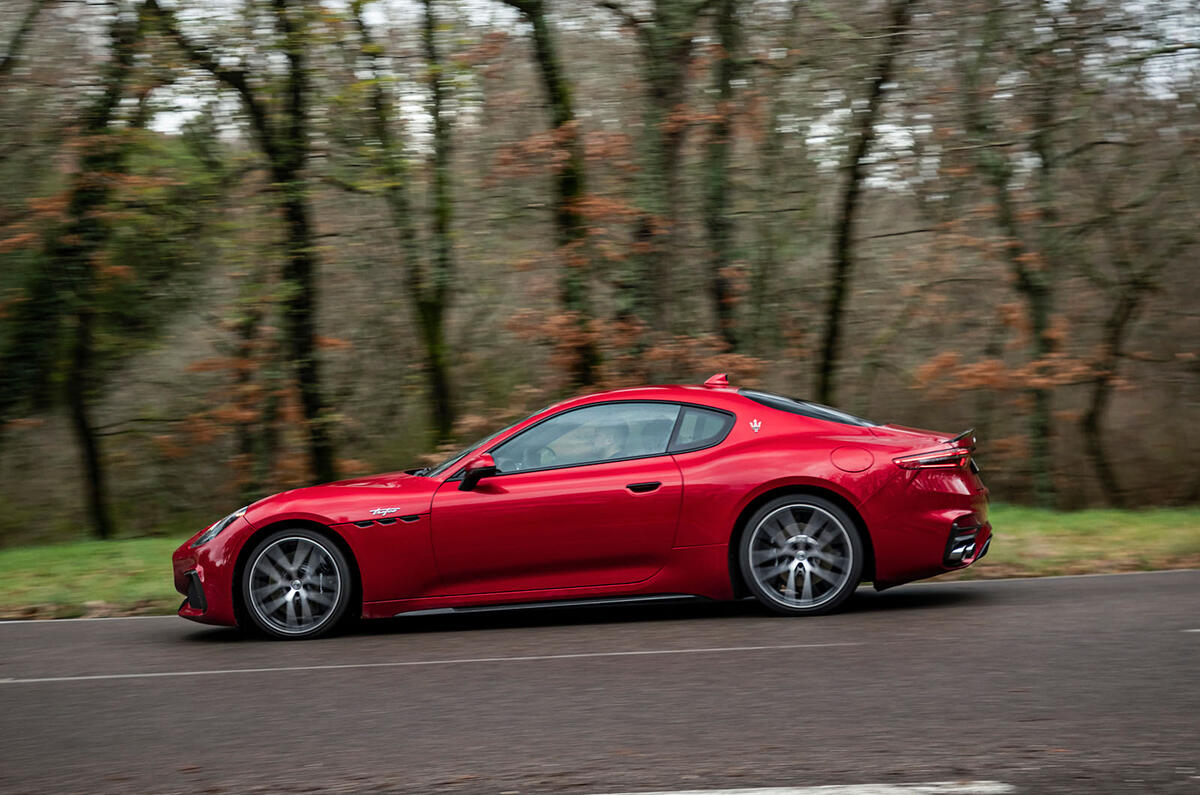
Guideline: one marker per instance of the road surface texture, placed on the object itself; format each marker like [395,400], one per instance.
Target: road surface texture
[1077,684]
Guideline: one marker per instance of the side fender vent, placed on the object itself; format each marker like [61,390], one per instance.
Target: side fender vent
[390,520]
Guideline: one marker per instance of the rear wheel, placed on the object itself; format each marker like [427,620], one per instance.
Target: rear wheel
[296,584]
[801,555]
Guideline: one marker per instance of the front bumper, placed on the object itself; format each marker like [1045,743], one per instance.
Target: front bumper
[195,599]
[205,576]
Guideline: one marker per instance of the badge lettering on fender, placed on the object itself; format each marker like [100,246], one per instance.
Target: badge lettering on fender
[384,511]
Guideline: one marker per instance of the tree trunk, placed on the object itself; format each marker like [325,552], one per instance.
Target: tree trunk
[843,230]
[645,290]
[1092,423]
[430,320]
[78,389]
[646,283]
[427,284]
[659,188]
[1091,426]
[27,362]
[761,327]
[245,430]
[435,290]
[283,139]
[717,221]
[73,254]
[299,270]
[1039,282]
[1032,284]
[1041,427]
[299,310]
[569,191]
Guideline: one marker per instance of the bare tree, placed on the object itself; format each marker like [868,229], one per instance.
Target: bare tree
[73,251]
[717,220]
[666,39]
[900,14]
[570,188]
[281,130]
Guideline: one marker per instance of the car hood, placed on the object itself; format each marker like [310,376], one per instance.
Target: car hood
[392,494]
[386,480]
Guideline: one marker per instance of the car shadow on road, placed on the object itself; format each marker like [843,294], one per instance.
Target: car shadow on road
[931,596]
[865,601]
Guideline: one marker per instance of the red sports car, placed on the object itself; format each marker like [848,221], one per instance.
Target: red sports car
[652,493]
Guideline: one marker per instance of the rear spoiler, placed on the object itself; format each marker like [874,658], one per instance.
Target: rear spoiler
[968,435]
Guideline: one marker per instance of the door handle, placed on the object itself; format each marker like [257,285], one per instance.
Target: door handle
[642,488]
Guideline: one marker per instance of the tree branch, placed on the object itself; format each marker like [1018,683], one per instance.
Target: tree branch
[1078,150]
[626,16]
[1156,52]
[20,35]
[236,79]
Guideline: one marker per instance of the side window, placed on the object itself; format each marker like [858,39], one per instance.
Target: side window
[700,428]
[604,432]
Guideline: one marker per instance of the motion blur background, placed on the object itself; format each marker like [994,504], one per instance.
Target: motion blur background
[251,245]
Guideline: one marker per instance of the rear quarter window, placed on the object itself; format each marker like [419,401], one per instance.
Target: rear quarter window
[700,428]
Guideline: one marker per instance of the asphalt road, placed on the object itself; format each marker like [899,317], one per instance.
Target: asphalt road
[1082,684]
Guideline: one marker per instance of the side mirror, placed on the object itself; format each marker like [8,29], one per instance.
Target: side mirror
[479,467]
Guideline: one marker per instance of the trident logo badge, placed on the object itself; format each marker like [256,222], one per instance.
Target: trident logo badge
[755,425]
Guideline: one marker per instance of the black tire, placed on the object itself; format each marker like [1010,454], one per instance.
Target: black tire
[773,542]
[281,567]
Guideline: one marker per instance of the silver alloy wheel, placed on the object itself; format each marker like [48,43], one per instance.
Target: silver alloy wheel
[294,585]
[801,556]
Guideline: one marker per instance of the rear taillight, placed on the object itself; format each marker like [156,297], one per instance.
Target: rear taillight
[946,458]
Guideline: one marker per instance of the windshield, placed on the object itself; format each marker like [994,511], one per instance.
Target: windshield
[463,453]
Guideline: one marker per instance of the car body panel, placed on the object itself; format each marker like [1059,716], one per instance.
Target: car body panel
[698,571]
[569,527]
[577,532]
[394,494]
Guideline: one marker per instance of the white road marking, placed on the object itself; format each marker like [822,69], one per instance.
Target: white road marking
[1191,630]
[406,663]
[930,788]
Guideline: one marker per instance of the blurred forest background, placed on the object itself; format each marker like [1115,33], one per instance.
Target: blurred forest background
[252,244]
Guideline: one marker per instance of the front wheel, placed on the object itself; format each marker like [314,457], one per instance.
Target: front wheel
[296,584]
[801,555]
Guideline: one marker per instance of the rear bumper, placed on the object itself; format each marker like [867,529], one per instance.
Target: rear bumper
[925,523]
[968,542]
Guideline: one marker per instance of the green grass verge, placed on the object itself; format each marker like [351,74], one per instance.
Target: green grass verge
[120,577]
[131,576]
[1032,542]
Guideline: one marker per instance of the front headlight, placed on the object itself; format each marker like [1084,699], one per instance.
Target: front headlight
[215,530]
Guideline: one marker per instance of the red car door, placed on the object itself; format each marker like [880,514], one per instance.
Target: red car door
[555,517]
